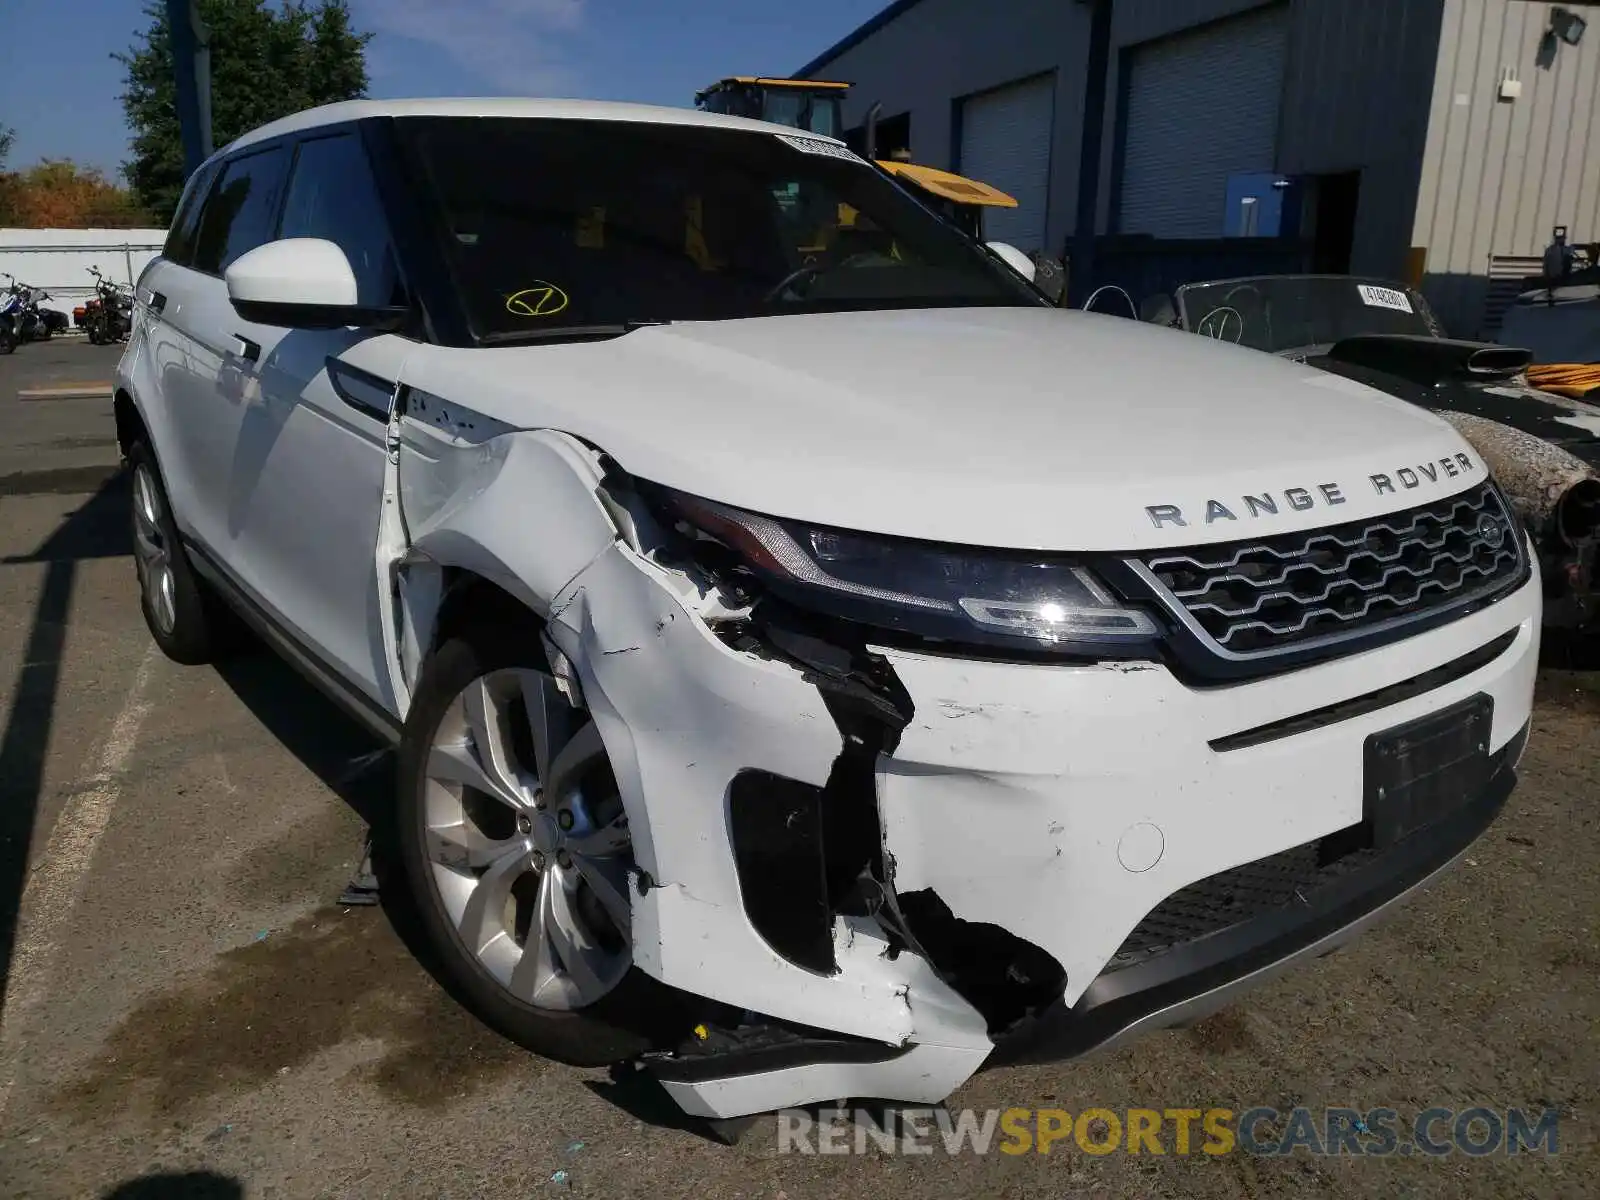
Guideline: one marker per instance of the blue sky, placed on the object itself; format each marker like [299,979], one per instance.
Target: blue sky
[59,85]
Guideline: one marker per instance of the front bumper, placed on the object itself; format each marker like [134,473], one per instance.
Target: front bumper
[1051,808]
[1291,909]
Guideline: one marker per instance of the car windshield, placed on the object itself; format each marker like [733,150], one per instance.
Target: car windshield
[551,224]
[1289,312]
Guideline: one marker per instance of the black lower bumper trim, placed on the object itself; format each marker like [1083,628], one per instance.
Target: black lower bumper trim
[1122,998]
[756,1049]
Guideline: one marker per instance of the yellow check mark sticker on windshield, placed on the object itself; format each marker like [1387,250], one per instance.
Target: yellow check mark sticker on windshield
[542,300]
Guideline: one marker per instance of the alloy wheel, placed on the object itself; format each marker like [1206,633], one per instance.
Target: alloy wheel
[527,841]
[151,552]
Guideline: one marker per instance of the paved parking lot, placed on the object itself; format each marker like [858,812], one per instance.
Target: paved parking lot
[188,1012]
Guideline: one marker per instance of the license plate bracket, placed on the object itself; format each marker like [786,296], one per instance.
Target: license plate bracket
[1422,771]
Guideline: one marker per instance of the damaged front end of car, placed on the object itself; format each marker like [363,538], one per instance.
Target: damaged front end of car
[900,808]
[756,691]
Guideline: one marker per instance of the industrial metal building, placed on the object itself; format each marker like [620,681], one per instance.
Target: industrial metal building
[1439,140]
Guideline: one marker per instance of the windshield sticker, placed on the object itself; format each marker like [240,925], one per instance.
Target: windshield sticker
[1382,297]
[816,146]
[541,300]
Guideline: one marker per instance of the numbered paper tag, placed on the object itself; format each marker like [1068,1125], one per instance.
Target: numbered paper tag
[818,146]
[1382,297]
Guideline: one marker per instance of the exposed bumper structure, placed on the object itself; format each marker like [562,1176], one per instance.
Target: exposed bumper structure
[1327,907]
[1000,866]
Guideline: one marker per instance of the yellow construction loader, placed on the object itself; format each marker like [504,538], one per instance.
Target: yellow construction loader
[816,106]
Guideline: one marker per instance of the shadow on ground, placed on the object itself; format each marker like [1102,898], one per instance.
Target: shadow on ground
[348,759]
[188,1185]
[98,529]
[1567,650]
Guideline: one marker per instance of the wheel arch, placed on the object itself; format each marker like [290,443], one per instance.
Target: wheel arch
[130,422]
[494,529]
[467,597]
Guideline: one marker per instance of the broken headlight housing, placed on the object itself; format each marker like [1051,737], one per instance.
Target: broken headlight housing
[950,593]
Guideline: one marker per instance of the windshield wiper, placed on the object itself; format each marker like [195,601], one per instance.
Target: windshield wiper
[565,333]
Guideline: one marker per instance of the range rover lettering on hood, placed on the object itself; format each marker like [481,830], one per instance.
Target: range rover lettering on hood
[1299,499]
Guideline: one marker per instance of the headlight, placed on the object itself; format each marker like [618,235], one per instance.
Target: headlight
[950,592]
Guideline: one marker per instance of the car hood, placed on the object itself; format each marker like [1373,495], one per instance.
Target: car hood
[1016,427]
[1574,425]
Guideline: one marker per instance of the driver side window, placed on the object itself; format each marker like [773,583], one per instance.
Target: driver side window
[332,196]
[240,210]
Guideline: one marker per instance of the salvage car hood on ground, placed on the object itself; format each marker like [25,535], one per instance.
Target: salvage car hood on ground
[1017,427]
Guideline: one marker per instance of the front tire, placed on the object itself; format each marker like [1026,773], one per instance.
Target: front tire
[515,850]
[182,617]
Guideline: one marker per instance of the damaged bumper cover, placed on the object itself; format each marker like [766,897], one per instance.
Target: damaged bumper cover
[1002,859]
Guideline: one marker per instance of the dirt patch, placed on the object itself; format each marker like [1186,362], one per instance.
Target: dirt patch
[330,978]
[1223,1032]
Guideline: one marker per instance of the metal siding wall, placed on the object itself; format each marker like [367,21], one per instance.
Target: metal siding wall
[1496,175]
[1359,85]
[1145,20]
[929,57]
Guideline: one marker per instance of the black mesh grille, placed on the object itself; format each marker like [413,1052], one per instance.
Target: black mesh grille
[1297,589]
[1234,896]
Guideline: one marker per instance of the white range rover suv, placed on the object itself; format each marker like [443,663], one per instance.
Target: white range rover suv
[818,666]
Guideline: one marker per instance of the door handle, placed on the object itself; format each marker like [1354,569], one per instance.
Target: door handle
[158,301]
[248,350]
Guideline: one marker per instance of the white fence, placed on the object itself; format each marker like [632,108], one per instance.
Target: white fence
[58,260]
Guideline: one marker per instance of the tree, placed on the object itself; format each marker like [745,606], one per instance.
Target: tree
[59,194]
[8,182]
[267,61]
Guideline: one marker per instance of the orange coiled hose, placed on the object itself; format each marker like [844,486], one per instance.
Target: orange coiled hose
[1565,379]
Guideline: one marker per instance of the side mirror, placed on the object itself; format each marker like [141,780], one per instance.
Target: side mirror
[1013,258]
[302,283]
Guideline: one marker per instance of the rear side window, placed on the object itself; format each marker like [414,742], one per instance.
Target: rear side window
[241,210]
[332,196]
[180,238]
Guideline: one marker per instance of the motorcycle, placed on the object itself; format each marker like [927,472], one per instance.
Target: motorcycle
[10,318]
[108,315]
[29,322]
[53,320]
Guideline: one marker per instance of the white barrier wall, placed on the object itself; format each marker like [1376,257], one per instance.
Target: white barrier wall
[58,260]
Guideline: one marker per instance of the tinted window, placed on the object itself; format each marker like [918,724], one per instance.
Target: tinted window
[819,114]
[1287,312]
[548,224]
[332,196]
[241,209]
[180,238]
